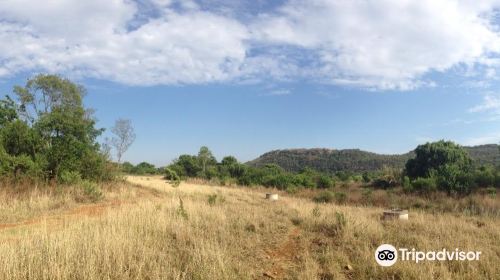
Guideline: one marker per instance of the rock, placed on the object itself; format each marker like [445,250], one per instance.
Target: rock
[270,275]
[348,267]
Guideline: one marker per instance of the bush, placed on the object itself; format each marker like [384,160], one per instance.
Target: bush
[324,197]
[491,191]
[340,197]
[407,186]
[484,177]
[280,181]
[366,177]
[424,185]
[367,195]
[181,211]
[70,177]
[292,190]
[92,191]
[385,182]
[212,198]
[324,182]
[215,198]
[172,176]
[343,176]
[303,180]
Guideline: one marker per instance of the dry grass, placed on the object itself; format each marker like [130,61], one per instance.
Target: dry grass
[233,233]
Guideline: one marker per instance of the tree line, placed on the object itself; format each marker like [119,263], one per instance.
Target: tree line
[439,166]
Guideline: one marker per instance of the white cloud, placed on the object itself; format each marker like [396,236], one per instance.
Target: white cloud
[385,43]
[277,92]
[92,40]
[379,44]
[482,140]
[490,103]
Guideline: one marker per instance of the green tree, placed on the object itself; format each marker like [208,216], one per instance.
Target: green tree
[54,131]
[206,158]
[445,161]
[144,168]
[186,166]
[8,111]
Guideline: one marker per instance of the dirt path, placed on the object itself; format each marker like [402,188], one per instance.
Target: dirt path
[93,210]
[283,257]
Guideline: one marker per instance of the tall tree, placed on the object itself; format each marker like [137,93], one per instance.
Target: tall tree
[206,158]
[54,131]
[124,136]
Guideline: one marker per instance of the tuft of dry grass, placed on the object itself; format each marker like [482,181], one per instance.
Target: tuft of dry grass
[242,236]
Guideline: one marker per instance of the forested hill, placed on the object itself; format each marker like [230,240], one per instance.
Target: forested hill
[355,160]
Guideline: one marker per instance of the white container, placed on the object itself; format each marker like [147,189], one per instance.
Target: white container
[395,214]
[272,196]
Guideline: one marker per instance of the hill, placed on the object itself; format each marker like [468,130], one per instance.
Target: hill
[355,160]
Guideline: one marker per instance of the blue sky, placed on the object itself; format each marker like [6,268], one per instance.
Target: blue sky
[246,77]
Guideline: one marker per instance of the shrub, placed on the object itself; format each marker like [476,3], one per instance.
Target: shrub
[424,185]
[181,211]
[385,182]
[491,191]
[324,197]
[367,195]
[357,178]
[280,181]
[292,189]
[340,197]
[366,177]
[215,198]
[212,199]
[324,182]
[70,177]
[303,180]
[341,220]
[484,177]
[91,191]
[316,212]
[172,176]
[343,176]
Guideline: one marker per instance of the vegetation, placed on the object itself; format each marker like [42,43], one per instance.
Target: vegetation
[448,167]
[143,168]
[200,232]
[123,138]
[46,133]
[187,233]
[330,161]
[230,171]
[357,161]
[440,166]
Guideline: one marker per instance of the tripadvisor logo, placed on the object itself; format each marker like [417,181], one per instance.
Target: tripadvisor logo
[387,255]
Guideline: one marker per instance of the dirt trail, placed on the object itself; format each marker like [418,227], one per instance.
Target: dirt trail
[89,210]
[81,210]
[283,257]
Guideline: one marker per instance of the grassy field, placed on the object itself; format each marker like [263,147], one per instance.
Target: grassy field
[146,229]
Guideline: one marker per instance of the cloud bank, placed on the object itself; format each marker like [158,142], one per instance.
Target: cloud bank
[382,44]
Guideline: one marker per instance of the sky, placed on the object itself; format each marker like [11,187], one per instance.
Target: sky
[247,77]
